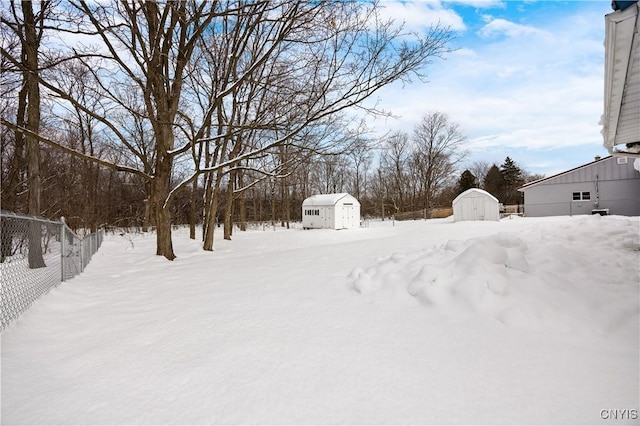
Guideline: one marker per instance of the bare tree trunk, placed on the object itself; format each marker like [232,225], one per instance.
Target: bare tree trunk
[30,57]
[16,167]
[162,180]
[147,215]
[208,195]
[149,206]
[241,203]
[228,210]
[286,205]
[90,173]
[163,229]
[257,206]
[273,204]
[6,237]
[90,208]
[212,214]
[282,204]
[193,213]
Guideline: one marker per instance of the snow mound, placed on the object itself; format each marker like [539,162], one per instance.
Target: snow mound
[536,279]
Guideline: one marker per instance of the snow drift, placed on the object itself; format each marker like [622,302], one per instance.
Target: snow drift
[522,321]
[535,278]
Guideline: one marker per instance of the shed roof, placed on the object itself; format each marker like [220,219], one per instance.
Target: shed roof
[474,192]
[620,124]
[326,199]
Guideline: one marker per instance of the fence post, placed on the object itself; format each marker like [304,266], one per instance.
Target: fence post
[63,246]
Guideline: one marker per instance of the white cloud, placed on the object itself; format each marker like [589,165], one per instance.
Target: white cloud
[419,15]
[538,90]
[480,4]
[498,27]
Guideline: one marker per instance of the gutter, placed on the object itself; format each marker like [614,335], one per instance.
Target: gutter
[622,77]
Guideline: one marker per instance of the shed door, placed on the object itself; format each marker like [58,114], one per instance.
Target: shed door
[327,218]
[478,206]
[347,216]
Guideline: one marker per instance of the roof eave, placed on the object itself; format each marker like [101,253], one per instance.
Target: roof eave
[536,182]
[622,85]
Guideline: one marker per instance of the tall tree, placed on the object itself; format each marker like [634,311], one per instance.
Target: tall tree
[479,169]
[30,30]
[467,181]
[309,78]
[13,98]
[149,45]
[513,178]
[494,182]
[361,157]
[394,163]
[283,67]
[440,147]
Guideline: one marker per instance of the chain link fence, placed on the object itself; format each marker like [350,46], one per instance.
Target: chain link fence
[36,255]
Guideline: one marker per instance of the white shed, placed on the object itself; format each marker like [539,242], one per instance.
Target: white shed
[476,204]
[330,211]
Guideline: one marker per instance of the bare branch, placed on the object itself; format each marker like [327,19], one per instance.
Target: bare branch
[73,152]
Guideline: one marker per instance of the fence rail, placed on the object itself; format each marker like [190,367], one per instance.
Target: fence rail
[36,255]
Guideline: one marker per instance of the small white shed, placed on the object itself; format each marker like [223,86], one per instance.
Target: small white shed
[330,211]
[476,204]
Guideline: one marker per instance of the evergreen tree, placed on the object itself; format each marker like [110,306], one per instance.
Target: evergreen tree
[512,179]
[467,180]
[494,182]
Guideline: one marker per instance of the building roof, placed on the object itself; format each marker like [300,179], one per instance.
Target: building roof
[620,123]
[536,182]
[474,192]
[326,199]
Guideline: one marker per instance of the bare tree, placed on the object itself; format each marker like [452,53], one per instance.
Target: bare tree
[150,45]
[439,148]
[27,24]
[380,189]
[479,169]
[13,98]
[276,70]
[394,162]
[30,44]
[291,74]
[361,157]
[80,131]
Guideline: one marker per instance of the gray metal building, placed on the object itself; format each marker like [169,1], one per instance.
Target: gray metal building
[607,185]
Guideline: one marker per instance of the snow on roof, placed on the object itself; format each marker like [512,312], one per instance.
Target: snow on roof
[326,199]
[474,192]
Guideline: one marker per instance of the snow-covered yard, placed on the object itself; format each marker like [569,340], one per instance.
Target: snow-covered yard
[522,321]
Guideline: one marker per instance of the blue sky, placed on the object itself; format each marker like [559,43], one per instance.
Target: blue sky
[527,79]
